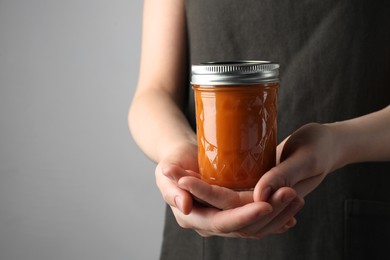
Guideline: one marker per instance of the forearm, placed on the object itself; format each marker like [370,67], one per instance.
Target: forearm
[157,123]
[363,139]
[155,118]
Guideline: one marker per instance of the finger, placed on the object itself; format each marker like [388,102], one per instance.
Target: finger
[219,197]
[290,223]
[279,150]
[172,194]
[279,201]
[281,222]
[175,172]
[306,186]
[212,221]
[291,171]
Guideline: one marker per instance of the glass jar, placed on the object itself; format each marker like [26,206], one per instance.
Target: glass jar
[236,117]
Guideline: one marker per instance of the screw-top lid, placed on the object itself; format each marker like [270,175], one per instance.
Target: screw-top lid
[235,73]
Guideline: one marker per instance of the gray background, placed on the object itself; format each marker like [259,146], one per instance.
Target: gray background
[73,185]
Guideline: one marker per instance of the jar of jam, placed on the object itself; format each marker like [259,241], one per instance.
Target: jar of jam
[236,117]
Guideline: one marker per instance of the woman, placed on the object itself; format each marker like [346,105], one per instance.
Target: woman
[334,59]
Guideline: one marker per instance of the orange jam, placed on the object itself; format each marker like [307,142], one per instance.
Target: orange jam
[236,131]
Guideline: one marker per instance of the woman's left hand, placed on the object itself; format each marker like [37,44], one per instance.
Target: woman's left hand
[304,160]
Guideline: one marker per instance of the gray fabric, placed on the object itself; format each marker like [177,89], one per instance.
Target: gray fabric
[335,64]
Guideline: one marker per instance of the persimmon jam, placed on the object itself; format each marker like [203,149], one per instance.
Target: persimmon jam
[236,121]
[236,133]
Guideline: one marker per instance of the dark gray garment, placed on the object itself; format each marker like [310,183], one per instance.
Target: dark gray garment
[335,65]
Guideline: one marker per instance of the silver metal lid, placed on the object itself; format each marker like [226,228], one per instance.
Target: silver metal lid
[239,72]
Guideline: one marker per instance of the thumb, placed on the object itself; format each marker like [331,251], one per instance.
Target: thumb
[270,182]
[298,172]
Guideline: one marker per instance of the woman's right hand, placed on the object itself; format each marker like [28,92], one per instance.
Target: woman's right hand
[223,212]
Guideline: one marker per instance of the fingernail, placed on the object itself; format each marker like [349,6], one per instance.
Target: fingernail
[265,194]
[288,198]
[266,212]
[291,223]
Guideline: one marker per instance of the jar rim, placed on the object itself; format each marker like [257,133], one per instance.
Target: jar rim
[243,72]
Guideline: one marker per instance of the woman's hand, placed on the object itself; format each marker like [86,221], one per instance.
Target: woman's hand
[216,211]
[304,160]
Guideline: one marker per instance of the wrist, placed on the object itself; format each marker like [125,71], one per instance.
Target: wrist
[342,146]
[363,139]
[185,143]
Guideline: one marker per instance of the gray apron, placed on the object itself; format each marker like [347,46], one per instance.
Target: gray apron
[335,65]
